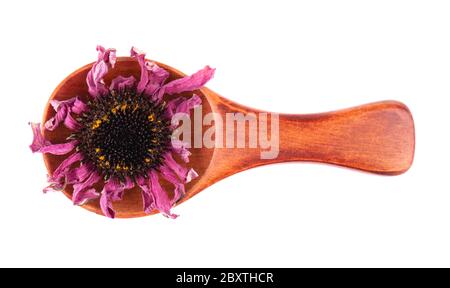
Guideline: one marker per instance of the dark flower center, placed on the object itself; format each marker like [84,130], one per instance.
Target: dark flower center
[123,134]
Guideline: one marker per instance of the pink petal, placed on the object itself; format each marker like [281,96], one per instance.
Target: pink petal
[59,149]
[147,196]
[106,60]
[121,83]
[180,147]
[38,139]
[63,109]
[59,178]
[39,143]
[79,174]
[106,206]
[186,175]
[170,176]
[117,195]
[152,76]
[84,196]
[61,113]
[64,166]
[182,105]
[71,123]
[80,195]
[190,83]
[78,106]
[162,201]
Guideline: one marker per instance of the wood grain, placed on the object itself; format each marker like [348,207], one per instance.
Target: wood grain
[376,138]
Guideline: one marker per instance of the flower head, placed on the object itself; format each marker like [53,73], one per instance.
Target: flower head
[121,137]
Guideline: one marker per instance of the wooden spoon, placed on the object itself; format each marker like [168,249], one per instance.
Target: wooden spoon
[377,137]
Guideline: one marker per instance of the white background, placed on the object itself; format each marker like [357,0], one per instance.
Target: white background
[284,56]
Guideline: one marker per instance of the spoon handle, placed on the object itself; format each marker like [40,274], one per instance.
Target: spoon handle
[377,138]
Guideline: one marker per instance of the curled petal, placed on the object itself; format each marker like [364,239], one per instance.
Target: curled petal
[80,194]
[172,178]
[79,174]
[106,206]
[59,149]
[60,177]
[71,123]
[63,109]
[121,83]
[62,169]
[117,194]
[147,196]
[180,147]
[84,196]
[186,175]
[152,76]
[39,143]
[190,83]
[60,116]
[38,139]
[182,105]
[78,106]
[106,60]
[162,201]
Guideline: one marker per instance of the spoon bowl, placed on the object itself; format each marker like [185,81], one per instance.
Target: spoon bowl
[377,138]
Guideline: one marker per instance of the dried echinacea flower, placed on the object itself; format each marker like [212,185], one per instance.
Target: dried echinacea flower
[121,137]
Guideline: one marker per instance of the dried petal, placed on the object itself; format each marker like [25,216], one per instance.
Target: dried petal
[38,139]
[39,143]
[186,175]
[121,83]
[170,176]
[63,109]
[162,201]
[147,196]
[81,191]
[78,106]
[59,149]
[106,206]
[180,147]
[106,60]
[152,76]
[190,83]
[62,169]
[182,105]
[71,123]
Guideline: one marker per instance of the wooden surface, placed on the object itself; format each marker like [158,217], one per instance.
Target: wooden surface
[376,138]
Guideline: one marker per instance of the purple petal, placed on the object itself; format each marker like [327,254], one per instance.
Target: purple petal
[162,201]
[186,175]
[147,196]
[39,143]
[60,116]
[106,206]
[190,83]
[117,195]
[180,147]
[59,149]
[60,176]
[80,195]
[63,109]
[84,196]
[79,174]
[64,166]
[78,106]
[94,79]
[182,105]
[170,176]
[38,139]
[121,83]
[71,123]
[152,76]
